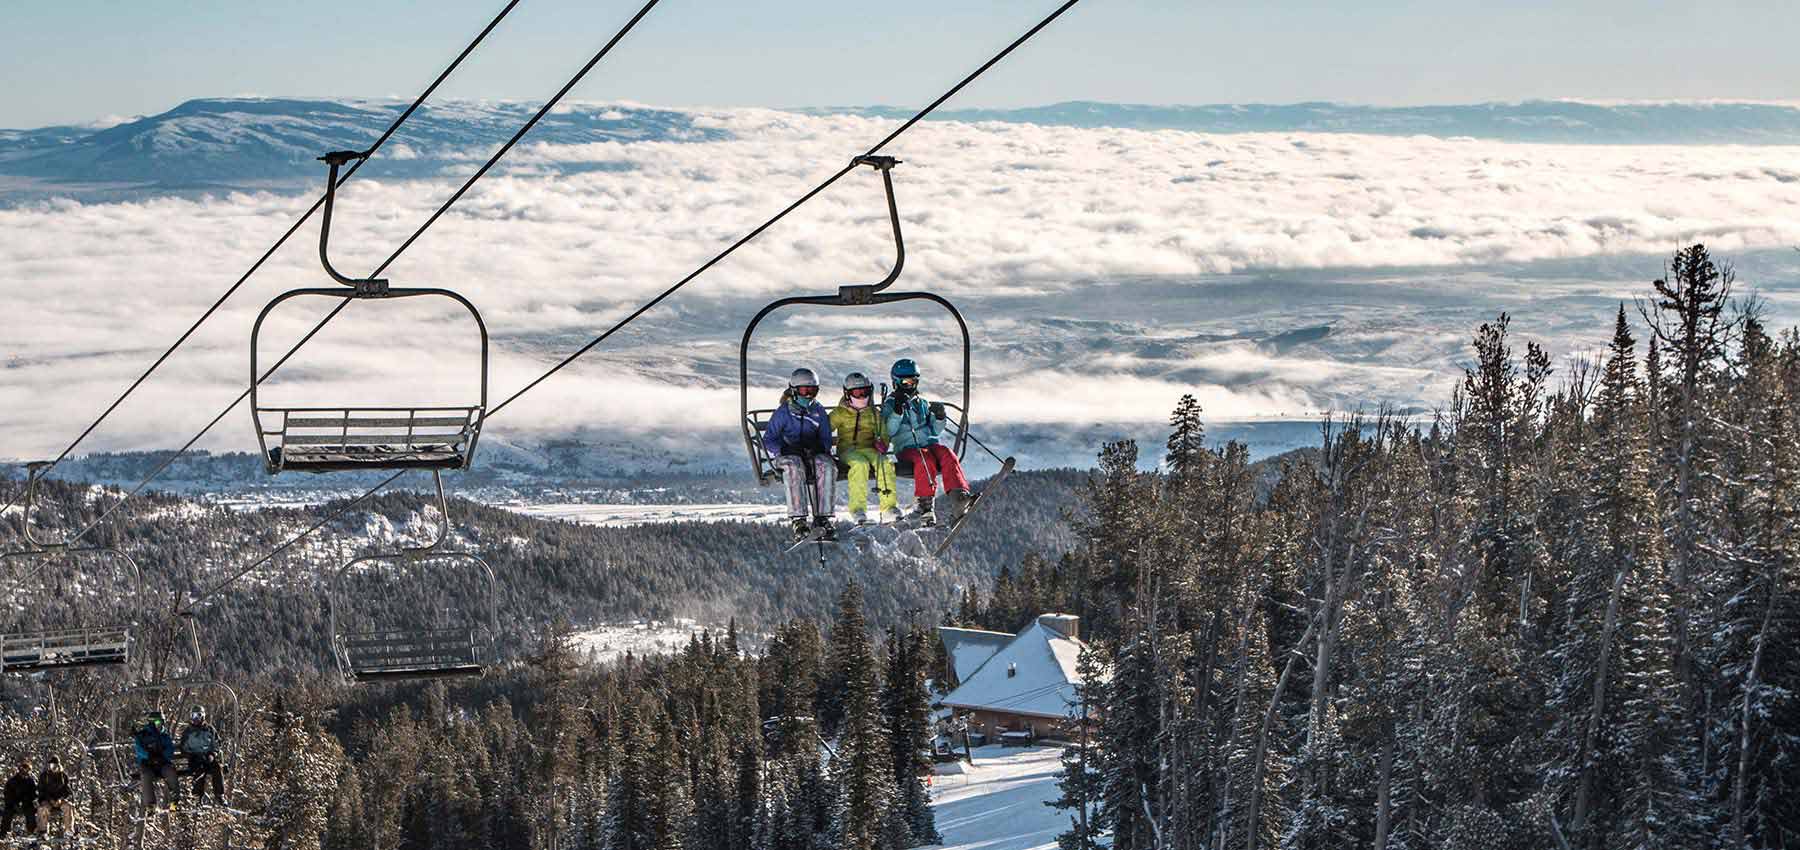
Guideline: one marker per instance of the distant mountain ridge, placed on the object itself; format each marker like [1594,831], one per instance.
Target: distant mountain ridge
[272,143]
[275,142]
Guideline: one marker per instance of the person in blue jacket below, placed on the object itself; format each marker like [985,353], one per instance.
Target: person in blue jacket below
[798,434]
[914,429]
[155,753]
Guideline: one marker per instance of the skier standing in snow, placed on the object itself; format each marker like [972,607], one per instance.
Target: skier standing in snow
[798,437]
[916,426]
[862,438]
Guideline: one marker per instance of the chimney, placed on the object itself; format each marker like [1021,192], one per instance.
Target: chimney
[1067,625]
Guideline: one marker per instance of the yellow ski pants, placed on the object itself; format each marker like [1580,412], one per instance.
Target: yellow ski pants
[860,462]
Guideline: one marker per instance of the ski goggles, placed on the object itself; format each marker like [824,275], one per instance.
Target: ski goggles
[806,392]
[909,383]
[859,392]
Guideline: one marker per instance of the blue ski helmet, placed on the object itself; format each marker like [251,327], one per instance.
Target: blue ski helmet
[904,368]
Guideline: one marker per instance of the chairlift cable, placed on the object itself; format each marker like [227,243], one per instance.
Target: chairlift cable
[908,125]
[492,161]
[393,127]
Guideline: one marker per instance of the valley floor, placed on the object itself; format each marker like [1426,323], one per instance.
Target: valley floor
[998,803]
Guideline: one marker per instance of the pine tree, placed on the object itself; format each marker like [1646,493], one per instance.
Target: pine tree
[862,769]
[907,709]
[1187,453]
[1083,764]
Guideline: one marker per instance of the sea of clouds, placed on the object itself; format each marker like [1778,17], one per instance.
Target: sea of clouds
[1105,272]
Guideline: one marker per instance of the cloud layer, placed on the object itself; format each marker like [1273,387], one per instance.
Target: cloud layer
[1020,223]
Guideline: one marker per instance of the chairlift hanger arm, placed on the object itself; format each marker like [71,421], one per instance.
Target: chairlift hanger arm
[365,287]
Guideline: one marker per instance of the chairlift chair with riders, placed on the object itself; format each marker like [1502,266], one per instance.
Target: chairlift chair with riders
[855,296]
[172,695]
[173,699]
[335,438]
[385,646]
[96,627]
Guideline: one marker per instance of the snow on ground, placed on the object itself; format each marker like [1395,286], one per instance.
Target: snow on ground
[998,802]
[618,516]
[656,637]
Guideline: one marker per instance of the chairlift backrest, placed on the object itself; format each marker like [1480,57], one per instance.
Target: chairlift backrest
[81,637]
[377,648]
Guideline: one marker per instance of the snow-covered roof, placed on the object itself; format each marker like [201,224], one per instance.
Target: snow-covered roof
[971,648]
[1034,674]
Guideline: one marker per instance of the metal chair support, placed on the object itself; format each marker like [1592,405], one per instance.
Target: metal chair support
[79,644]
[854,295]
[341,438]
[405,652]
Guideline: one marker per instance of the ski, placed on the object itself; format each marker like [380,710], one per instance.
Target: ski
[994,484]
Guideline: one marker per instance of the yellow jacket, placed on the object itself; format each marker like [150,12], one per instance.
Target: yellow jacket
[857,429]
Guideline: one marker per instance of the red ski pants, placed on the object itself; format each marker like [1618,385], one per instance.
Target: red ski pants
[930,463]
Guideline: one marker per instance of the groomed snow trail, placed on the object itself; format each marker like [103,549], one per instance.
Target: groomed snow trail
[998,804]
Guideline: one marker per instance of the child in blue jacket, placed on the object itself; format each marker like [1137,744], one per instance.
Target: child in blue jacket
[915,428]
[798,433]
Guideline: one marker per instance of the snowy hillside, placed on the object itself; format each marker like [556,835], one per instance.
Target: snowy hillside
[998,803]
[227,142]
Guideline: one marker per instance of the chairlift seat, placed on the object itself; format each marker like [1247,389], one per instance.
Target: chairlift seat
[411,654]
[343,439]
[65,648]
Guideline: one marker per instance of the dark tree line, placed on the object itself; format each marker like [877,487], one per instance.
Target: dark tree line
[1563,613]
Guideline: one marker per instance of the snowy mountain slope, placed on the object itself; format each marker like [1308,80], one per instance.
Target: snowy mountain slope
[998,802]
[271,141]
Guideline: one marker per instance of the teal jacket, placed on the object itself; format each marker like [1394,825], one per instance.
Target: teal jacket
[910,426]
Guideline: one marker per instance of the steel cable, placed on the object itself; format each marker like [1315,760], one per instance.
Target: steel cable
[445,207]
[910,122]
[903,128]
[257,266]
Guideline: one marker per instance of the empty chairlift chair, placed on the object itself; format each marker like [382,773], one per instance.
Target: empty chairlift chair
[77,616]
[383,630]
[331,438]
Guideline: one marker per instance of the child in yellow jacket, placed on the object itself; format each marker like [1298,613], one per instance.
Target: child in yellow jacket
[862,442]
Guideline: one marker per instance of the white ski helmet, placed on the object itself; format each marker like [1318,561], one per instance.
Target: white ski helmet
[857,381]
[803,377]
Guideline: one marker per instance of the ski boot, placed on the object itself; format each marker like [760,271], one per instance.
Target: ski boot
[892,516]
[960,500]
[801,529]
[827,531]
[863,519]
[923,513]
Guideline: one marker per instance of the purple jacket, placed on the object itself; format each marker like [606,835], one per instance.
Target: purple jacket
[789,433]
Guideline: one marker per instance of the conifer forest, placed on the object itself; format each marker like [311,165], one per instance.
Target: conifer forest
[1562,611]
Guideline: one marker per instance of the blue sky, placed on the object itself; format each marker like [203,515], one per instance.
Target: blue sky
[78,60]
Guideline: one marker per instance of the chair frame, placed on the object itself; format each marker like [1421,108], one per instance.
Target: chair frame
[850,296]
[414,653]
[364,430]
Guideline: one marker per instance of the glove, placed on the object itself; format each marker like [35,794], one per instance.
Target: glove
[937,409]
